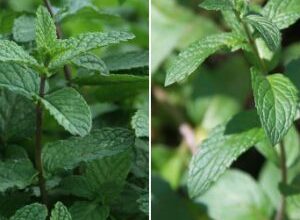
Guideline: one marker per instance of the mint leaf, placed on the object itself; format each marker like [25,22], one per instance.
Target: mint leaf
[17,116]
[240,190]
[60,212]
[19,79]
[84,43]
[127,61]
[34,211]
[276,101]
[70,110]
[91,62]
[67,154]
[106,176]
[217,4]
[269,32]
[24,29]
[192,57]
[140,120]
[224,145]
[283,13]
[11,52]
[46,37]
[89,211]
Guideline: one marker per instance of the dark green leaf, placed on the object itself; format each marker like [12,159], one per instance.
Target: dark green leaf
[89,211]
[35,211]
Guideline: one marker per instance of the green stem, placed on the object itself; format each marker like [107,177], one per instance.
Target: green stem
[283,168]
[38,143]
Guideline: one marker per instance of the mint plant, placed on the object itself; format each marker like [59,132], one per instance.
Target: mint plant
[101,171]
[256,31]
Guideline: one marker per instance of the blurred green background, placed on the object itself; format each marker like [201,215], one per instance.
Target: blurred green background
[185,113]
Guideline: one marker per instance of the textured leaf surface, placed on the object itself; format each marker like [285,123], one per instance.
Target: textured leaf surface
[217,4]
[140,121]
[283,13]
[220,149]
[240,190]
[45,30]
[67,154]
[106,176]
[276,101]
[19,79]
[86,42]
[16,171]
[70,110]
[17,116]
[267,30]
[24,29]
[89,211]
[77,186]
[191,58]
[11,52]
[127,61]
[60,212]
[34,211]
[91,62]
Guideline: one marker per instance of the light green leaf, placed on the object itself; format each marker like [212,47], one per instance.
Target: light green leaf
[19,79]
[191,58]
[106,176]
[144,202]
[46,37]
[17,116]
[24,29]
[60,212]
[217,4]
[127,61]
[70,110]
[240,190]
[140,120]
[269,32]
[11,52]
[276,101]
[67,154]
[283,13]
[91,62]
[89,211]
[16,171]
[34,211]
[86,42]
[224,145]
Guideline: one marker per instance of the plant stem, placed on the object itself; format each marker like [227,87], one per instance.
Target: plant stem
[38,143]
[283,168]
[59,33]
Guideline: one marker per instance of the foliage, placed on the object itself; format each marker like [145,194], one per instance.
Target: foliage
[74,110]
[231,101]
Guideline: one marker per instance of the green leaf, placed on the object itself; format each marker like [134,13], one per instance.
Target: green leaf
[16,171]
[17,116]
[224,145]
[269,32]
[10,202]
[283,13]
[144,203]
[217,4]
[60,212]
[46,37]
[70,110]
[34,211]
[127,61]
[67,154]
[106,176]
[276,101]
[91,62]
[84,43]
[19,79]
[24,29]
[240,190]
[89,211]
[191,58]
[140,120]
[11,52]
